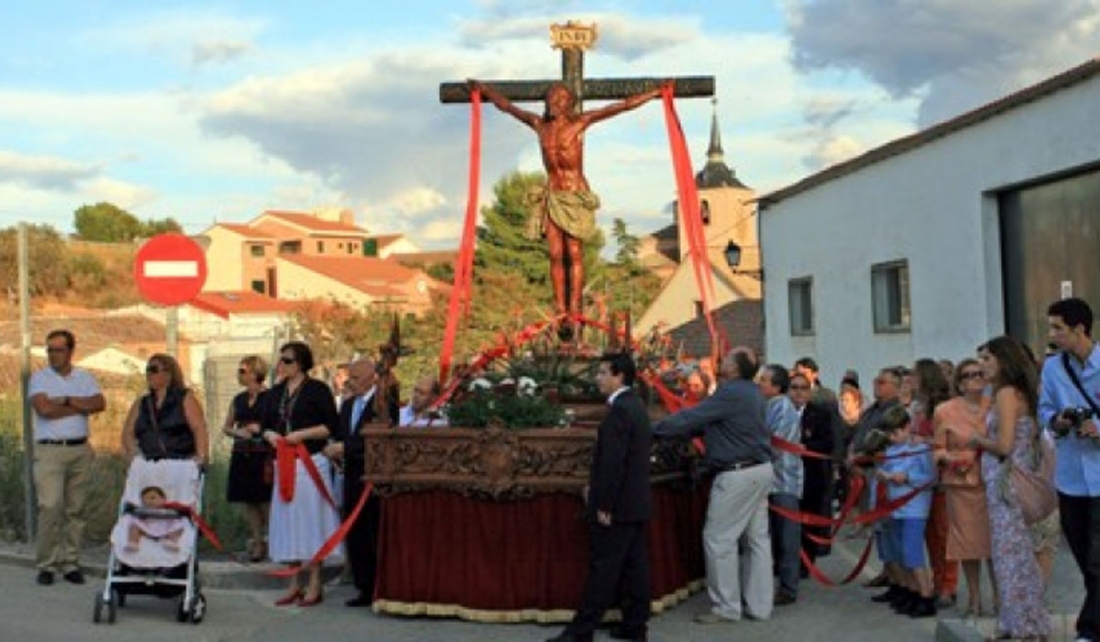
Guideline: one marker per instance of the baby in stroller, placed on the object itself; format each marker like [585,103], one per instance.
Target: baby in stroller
[154,521]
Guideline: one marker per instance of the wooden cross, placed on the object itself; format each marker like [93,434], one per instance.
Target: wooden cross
[573,39]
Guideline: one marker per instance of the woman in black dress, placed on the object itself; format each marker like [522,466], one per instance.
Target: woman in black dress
[300,411]
[251,466]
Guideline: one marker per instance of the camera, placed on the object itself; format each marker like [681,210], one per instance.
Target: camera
[1077,416]
[1071,419]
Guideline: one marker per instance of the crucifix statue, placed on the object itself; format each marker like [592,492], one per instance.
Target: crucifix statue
[564,213]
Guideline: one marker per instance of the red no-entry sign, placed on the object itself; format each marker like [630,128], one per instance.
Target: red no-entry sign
[170,269]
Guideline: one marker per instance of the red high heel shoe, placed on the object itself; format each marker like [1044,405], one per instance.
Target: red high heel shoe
[290,598]
[312,601]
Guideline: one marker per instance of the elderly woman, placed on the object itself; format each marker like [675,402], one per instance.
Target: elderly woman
[250,464]
[955,422]
[300,411]
[167,422]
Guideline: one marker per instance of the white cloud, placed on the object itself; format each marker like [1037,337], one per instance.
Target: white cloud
[954,54]
[44,172]
[125,195]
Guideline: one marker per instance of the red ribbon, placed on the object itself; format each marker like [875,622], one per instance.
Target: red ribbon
[334,540]
[462,291]
[285,457]
[690,217]
[200,523]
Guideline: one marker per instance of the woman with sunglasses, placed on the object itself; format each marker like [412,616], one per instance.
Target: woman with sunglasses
[167,422]
[300,410]
[251,468]
[956,422]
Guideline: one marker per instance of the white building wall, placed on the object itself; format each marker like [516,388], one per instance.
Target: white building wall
[934,206]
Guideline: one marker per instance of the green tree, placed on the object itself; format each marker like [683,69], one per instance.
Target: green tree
[47,267]
[502,241]
[152,227]
[106,223]
[628,244]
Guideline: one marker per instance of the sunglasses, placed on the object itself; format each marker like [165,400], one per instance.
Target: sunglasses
[287,360]
[153,369]
[974,374]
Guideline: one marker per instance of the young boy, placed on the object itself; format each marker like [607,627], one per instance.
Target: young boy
[907,466]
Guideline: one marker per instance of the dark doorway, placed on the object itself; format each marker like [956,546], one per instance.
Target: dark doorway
[1050,241]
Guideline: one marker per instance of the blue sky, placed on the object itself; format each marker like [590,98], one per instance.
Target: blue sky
[215,111]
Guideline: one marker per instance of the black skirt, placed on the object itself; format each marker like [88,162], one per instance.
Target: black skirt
[250,468]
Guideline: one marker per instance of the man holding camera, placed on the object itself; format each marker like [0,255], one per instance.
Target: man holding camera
[1068,407]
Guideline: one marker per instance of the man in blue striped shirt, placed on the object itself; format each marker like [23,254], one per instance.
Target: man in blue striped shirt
[1067,409]
[784,422]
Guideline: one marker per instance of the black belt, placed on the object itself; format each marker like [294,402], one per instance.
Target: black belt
[79,441]
[739,465]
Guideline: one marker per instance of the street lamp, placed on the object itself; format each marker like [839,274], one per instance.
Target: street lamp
[733,259]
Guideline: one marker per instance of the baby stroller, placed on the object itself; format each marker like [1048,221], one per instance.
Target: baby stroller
[163,566]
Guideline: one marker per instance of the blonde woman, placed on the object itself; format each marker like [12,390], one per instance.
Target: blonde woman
[167,422]
[251,467]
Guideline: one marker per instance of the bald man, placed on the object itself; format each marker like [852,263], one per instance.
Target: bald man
[739,454]
[416,414]
[356,412]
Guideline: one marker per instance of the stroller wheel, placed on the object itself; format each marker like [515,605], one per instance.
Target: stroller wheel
[120,598]
[198,608]
[97,610]
[181,611]
[112,607]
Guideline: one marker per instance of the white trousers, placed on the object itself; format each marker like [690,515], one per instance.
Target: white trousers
[737,525]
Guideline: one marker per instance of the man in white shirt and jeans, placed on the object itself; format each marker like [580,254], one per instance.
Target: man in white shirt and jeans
[62,397]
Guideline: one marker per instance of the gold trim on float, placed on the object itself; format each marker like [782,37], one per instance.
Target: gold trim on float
[553,616]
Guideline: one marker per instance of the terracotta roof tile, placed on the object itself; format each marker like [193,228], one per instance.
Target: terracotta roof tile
[239,302]
[245,231]
[311,222]
[374,276]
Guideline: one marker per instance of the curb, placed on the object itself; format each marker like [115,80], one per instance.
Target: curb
[213,573]
[976,630]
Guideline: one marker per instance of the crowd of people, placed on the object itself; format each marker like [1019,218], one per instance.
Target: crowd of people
[948,464]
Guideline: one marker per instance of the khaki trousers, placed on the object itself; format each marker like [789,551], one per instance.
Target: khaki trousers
[737,524]
[61,477]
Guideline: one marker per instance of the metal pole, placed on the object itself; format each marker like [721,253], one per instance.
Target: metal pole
[25,380]
[172,329]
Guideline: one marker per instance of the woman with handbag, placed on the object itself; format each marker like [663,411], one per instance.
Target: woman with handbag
[251,463]
[1011,446]
[167,422]
[955,422]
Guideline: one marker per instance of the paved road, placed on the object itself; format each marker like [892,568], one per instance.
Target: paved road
[63,612]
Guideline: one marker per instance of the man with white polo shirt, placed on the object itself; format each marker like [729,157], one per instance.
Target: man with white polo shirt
[62,398]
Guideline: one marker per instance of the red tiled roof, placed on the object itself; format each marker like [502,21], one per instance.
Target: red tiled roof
[311,222]
[245,231]
[905,144]
[370,275]
[742,321]
[240,302]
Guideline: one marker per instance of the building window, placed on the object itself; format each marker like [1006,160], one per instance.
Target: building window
[320,247]
[257,250]
[704,211]
[370,247]
[258,285]
[698,309]
[800,301]
[351,248]
[890,296]
[290,247]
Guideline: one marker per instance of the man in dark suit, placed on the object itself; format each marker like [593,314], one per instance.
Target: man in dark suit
[358,409]
[618,509]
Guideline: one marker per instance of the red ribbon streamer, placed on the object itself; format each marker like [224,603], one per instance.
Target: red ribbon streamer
[690,216]
[285,457]
[200,523]
[334,540]
[462,291]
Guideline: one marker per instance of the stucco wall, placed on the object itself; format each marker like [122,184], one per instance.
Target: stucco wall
[934,206]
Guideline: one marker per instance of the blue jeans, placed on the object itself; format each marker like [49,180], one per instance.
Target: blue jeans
[786,538]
